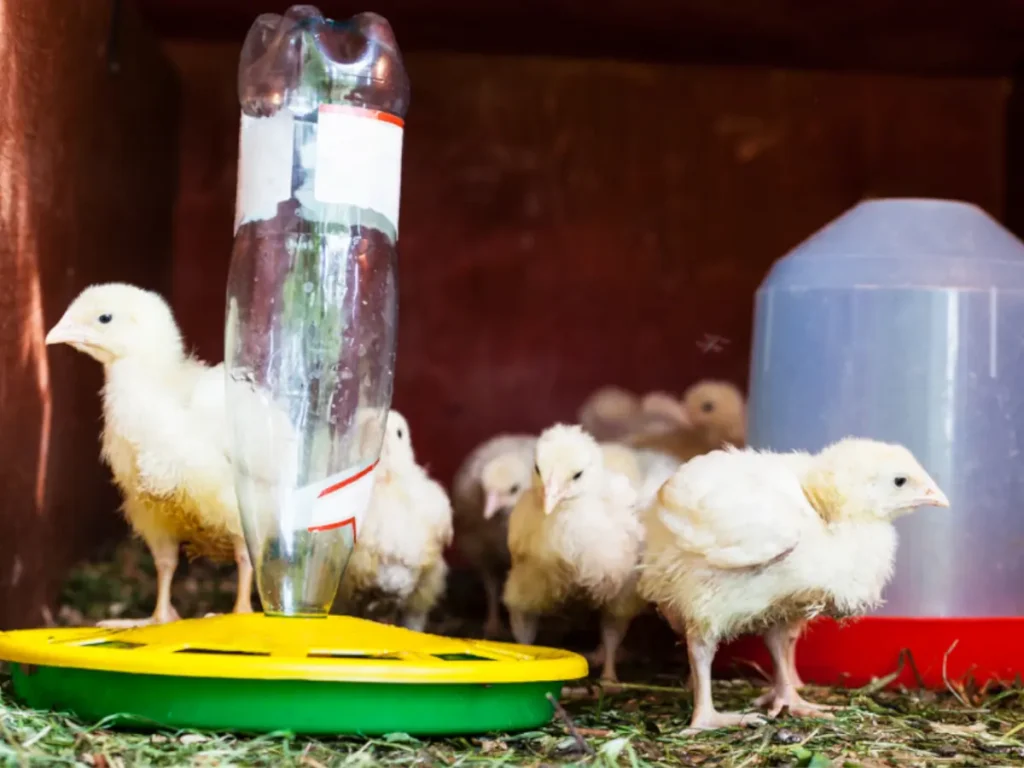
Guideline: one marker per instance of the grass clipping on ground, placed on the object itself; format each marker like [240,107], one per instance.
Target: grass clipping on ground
[638,725]
[641,723]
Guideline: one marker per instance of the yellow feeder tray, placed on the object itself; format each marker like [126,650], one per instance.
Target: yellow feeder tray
[256,673]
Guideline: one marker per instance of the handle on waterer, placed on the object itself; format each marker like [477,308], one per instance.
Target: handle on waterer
[312,294]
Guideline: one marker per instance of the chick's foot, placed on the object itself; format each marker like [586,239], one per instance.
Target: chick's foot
[709,721]
[162,617]
[775,701]
[597,656]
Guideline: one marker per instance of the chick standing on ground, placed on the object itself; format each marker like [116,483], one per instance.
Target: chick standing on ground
[575,533]
[397,568]
[714,415]
[164,434]
[742,541]
[484,491]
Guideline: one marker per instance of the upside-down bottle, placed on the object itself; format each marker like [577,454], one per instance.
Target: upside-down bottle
[312,292]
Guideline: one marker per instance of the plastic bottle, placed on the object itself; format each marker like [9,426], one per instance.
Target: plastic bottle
[312,292]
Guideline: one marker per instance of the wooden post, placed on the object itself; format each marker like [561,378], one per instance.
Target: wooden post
[87,183]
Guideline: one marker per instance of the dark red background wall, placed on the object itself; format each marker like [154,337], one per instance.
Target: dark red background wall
[571,223]
[87,185]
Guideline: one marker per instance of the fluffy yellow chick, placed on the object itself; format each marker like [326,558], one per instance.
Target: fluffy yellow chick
[713,415]
[741,541]
[164,434]
[485,489]
[575,534]
[397,569]
[717,410]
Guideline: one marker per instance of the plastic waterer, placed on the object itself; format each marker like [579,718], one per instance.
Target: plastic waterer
[312,292]
[903,320]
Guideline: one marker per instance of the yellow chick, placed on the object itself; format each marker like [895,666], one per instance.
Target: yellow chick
[397,569]
[717,410]
[164,434]
[741,541]
[485,489]
[713,415]
[575,534]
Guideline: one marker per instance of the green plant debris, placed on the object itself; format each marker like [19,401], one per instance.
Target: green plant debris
[640,724]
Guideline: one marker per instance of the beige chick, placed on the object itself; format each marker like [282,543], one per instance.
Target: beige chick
[609,413]
[164,434]
[397,570]
[485,489]
[741,541]
[575,534]
[714,415]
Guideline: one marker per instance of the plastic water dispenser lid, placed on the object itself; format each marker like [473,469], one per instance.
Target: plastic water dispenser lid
[905,243]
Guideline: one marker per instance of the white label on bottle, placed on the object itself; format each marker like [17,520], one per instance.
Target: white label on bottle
[341,500]
[359,159]
[264,166]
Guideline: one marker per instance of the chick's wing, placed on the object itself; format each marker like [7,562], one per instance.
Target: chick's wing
[734,509]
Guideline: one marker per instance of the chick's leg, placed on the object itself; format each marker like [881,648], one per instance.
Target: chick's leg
[794,636]
[524,626]
[705,717]
[781,640]
[243,600]
[492,588]
[613,631]
[427,593]
[165,558]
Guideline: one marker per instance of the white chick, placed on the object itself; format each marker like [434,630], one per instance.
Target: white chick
[485,489]
[609,413]
[742,541]
[164,434]
[397,569]
[575,534]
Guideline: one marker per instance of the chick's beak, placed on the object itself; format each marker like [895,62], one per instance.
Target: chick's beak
[934,497]
[491,505]
[551,498]
[68,332]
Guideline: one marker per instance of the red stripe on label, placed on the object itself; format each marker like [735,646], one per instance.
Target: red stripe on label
[332,526]
[372,114]
[348,480]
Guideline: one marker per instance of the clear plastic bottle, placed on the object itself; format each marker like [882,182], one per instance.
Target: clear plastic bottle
[312,292]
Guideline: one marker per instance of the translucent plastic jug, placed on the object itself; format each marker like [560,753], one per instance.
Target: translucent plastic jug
[903,320]
[312,293]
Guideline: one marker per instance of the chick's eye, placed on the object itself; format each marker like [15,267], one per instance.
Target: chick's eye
[400,434]
[514,489]
[105,318]
[900,481]
[578,475]
[707,407]
[536,468]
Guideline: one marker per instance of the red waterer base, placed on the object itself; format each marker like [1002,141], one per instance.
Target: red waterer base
[854,653]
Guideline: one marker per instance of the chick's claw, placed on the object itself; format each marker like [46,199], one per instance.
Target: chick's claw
[791,701]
